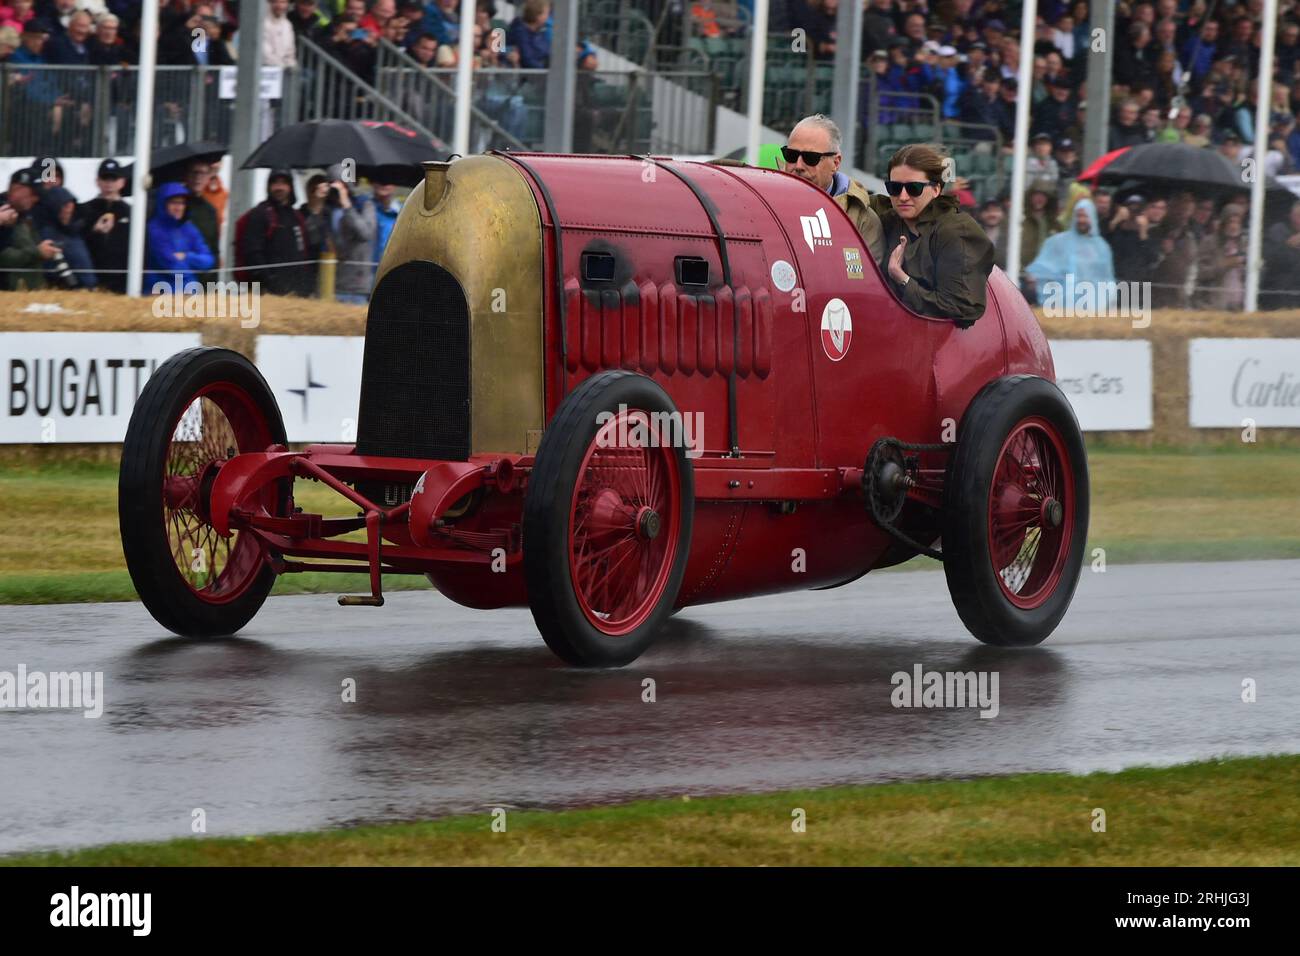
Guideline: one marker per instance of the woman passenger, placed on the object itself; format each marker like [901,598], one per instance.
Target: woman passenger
[939,259]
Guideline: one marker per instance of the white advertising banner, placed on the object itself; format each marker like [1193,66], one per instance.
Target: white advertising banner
[316,380]
[1231,380]
[1108,381]
[272,82]
[78,386]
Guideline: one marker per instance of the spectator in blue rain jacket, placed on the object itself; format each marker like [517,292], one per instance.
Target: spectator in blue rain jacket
[442,19]
[1199,52]
[529,35]
[951,82]
[175,247]
[386,209]
[890,84]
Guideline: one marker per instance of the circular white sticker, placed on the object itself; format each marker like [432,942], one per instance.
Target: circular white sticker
[837,329]
[783,275]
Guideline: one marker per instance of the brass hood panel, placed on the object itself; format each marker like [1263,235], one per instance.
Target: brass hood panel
[477,218]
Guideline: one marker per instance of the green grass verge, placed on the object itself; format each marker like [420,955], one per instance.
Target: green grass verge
[80,586]
[59,539]
[1237,812]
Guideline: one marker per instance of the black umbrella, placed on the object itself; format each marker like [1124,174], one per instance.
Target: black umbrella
[169,163]
[1177,165]
[366,143]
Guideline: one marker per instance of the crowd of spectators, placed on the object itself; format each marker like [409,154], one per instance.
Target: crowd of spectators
[205,33]
[1190,247]
[48,239]
[1184,71]
[107,32]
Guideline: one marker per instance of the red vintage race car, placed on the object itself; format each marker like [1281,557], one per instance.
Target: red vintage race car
[611,387]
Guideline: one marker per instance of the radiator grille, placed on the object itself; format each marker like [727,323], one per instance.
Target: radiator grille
[415,400]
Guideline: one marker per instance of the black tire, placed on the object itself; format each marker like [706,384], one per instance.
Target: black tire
[1017,405]
[166,593]
[552,595]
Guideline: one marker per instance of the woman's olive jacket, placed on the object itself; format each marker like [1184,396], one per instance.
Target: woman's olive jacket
[948,260]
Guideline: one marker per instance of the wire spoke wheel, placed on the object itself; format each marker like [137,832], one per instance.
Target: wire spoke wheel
[206,436]
[607,520]
[625,515]
[1015,515]
[200,409]
[1031,513]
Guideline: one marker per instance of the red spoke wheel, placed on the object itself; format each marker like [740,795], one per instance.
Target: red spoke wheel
[1029,521]
[1015,511]
[200,409]
[607,520]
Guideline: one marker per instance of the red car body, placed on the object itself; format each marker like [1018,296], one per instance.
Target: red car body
[713,281]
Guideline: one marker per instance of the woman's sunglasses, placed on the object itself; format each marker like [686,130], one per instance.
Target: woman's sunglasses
[895,188]
[810,157]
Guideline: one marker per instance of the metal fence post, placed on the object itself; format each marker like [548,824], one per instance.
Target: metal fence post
[319,92]
[561,81]
[293,79]
[246,126]
[848,70]
[198,104]
[873,123]
[7,108]
[99,128]
[714,84]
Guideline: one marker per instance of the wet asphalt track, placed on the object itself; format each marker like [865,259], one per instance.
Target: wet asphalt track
[463,710]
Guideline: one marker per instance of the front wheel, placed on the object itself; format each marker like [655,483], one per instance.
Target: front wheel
[607,520]
[1015,512]
[200,409]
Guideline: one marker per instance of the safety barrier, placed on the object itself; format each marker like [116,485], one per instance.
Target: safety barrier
[1188,380]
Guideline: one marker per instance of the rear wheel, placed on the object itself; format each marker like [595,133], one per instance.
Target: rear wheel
[200,409]
[607,521]
[1016,512]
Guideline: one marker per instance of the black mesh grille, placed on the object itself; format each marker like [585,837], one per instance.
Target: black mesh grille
[415,376]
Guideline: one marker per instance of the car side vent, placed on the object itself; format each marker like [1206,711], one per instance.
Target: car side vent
[692,270]
[598,267]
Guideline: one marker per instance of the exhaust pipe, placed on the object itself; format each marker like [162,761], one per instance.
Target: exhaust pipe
[435,183]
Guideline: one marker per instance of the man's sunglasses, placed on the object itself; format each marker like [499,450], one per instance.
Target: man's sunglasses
[810,157]
[895,188]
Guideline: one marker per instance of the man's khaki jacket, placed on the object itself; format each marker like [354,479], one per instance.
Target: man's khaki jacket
[856,201]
